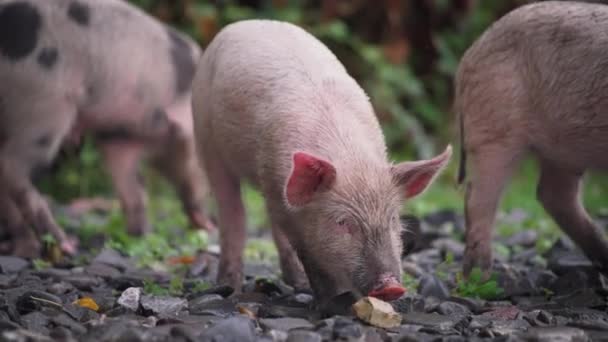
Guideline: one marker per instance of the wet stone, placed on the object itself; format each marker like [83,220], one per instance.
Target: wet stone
[442,324]
[163,305]
[36,321]
[431,285]
[339,305]
[451,308]
[83,282]
[67,322]
[12,264]
[102,270]
[449,245]
[346,329]
[565,334]
[60,288]
[284,324]
[222,290]
[525,238]
[233,329]
[113,258]
[219,307]
[409,303]
[55,273]
[303,336]
[36,300]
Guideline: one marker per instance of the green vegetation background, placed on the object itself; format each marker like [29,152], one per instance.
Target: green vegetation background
[404,53]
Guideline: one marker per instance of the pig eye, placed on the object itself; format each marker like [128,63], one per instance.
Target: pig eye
[343,225]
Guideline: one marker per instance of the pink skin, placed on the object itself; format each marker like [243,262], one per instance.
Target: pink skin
[274,107]
[534,84]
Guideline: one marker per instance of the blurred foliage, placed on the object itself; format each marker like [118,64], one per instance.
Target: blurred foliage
[403,53]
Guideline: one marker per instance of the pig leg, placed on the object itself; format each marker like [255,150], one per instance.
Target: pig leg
[122,160]
[178,163]
[227,191]
[24,242]
[559,191]
[492,168]
[291,267]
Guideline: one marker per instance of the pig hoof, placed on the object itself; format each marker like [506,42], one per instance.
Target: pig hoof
[199,220]
[232,280]
[69,246]
[476,259]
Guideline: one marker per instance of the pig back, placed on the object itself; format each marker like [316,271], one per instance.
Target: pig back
[266,89]
[111,57]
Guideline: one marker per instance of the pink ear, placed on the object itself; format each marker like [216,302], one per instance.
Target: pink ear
[415,177]
[310,175]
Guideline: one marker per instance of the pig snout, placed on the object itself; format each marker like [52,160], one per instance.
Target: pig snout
[387,288]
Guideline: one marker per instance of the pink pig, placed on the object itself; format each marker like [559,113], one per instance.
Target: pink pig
[273,106]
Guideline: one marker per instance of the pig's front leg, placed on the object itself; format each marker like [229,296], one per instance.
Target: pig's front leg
[24,242]
[559,192]
[122,159]
[291,267]
[227,191]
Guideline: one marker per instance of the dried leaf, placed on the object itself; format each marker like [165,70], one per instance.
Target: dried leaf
[181,260]
[87,302]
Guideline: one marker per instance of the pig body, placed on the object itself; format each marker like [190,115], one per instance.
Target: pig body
[70,67]
[272,105]
[535,81]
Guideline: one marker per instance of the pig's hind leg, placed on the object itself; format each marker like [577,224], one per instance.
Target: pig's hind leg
[559,191]
[492,166]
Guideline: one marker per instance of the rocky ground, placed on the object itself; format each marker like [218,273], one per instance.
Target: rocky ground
[107,297]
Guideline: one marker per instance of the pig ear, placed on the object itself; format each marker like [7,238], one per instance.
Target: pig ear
[414,177]
[308,176]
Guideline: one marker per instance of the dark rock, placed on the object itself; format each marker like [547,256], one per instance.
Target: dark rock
[508,327]
[79,313]
[67,322]
[284,324]
[539,318]
[449,245]
[475,305]
[446,216]
[102,270]
[233,329]
[440,324]
[83,282]
[503,313]
[256,270]
[451,308]
[36,300]
[590,324]
[409,303]
[60,288]
[6,280]
[222,290]
[163,305]
[219,307]
[113,258]
[36,321]
[62,334]
[12,264]
[339,305]
[564,334]
[431,285]
[54,273]
[278,311]
[583,298]
[303,336]
[574,280]
[346,329]
[524,238]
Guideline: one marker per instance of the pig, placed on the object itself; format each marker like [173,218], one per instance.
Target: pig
[535,84]
[274,107]
[100,67]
